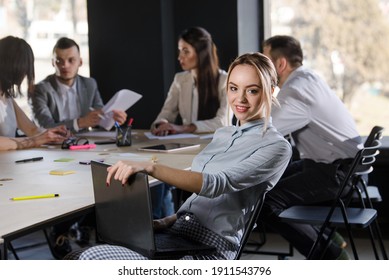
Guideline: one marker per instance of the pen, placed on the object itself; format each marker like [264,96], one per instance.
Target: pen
[29,160]
[130,121]
[34,196]
[118,126]
[100,115]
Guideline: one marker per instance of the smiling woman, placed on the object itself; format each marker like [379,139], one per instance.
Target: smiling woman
[244,93]
[246,87]
[227,178]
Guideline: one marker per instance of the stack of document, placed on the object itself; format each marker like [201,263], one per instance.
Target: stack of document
[122,100]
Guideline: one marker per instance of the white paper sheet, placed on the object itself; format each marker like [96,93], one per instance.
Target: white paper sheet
[122,100]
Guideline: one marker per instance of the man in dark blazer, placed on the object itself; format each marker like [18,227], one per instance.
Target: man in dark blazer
[66,97]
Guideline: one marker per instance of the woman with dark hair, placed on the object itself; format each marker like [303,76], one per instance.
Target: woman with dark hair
[16,64]
[198,93]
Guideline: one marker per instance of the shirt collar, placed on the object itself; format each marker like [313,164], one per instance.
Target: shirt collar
[249,125]
[64,88]
[294,73]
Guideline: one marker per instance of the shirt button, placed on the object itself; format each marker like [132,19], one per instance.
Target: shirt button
[187,218]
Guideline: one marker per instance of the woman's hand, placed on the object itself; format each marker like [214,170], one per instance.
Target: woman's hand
[164,223]
[122,170]
[51,135]
[164,129]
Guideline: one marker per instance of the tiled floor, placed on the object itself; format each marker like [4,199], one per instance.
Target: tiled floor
[275,243]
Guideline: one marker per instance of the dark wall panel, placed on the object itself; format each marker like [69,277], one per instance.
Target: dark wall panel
[133,44]
[218,17]
[125,52]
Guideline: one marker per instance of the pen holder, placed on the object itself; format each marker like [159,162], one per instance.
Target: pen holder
[123,136]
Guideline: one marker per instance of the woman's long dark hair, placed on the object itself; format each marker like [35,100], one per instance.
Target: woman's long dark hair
[16,63]
[207,70]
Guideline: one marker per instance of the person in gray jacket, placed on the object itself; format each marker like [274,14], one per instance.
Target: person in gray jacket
[66,97]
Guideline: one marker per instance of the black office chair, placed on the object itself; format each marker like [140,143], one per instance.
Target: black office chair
[339,214]
[368,192]
[250,224]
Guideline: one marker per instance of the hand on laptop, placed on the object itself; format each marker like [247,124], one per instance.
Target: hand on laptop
[123,169]
[164,223]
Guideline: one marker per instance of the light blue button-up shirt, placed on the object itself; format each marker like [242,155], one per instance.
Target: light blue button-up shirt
[237,167]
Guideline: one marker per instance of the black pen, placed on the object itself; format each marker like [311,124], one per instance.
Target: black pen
[29,160]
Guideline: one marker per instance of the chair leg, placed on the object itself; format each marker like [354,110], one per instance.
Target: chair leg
[48,242]
[325,225]
[12,249]
[320,236]
[375,226]
[349,232]
[373,243]
[380,239]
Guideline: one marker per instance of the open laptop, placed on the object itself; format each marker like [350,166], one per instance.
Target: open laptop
[124,217]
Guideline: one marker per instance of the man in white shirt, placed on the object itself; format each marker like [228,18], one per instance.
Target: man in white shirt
[323,132]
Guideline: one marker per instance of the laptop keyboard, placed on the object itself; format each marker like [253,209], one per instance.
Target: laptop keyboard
[167,241]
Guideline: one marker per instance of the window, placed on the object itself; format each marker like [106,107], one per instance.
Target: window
[41,23]
[345,41]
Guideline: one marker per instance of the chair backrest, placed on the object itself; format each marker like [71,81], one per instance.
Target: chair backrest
[250,224]
[361,187]
[375,134]
[361,165]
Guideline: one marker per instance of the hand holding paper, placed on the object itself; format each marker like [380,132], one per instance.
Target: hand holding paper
[122,100]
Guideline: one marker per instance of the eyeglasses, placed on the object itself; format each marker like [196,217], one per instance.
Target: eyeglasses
[74,141]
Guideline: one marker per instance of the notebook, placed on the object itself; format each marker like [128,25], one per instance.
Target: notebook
[124,217]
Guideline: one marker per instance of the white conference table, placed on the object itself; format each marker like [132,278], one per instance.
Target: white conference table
[18,218]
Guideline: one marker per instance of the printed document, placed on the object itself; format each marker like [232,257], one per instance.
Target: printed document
[122,100]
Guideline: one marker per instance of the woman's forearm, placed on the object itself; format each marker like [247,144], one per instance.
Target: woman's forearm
[186,180]
[7,144]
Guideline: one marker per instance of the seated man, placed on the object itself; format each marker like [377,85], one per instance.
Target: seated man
[69,99]
[66,97]
[325,135]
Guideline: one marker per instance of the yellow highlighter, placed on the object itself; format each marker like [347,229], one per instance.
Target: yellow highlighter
[35,196]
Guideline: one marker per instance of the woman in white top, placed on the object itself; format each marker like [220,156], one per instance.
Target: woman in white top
[198,94]
[17,63]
